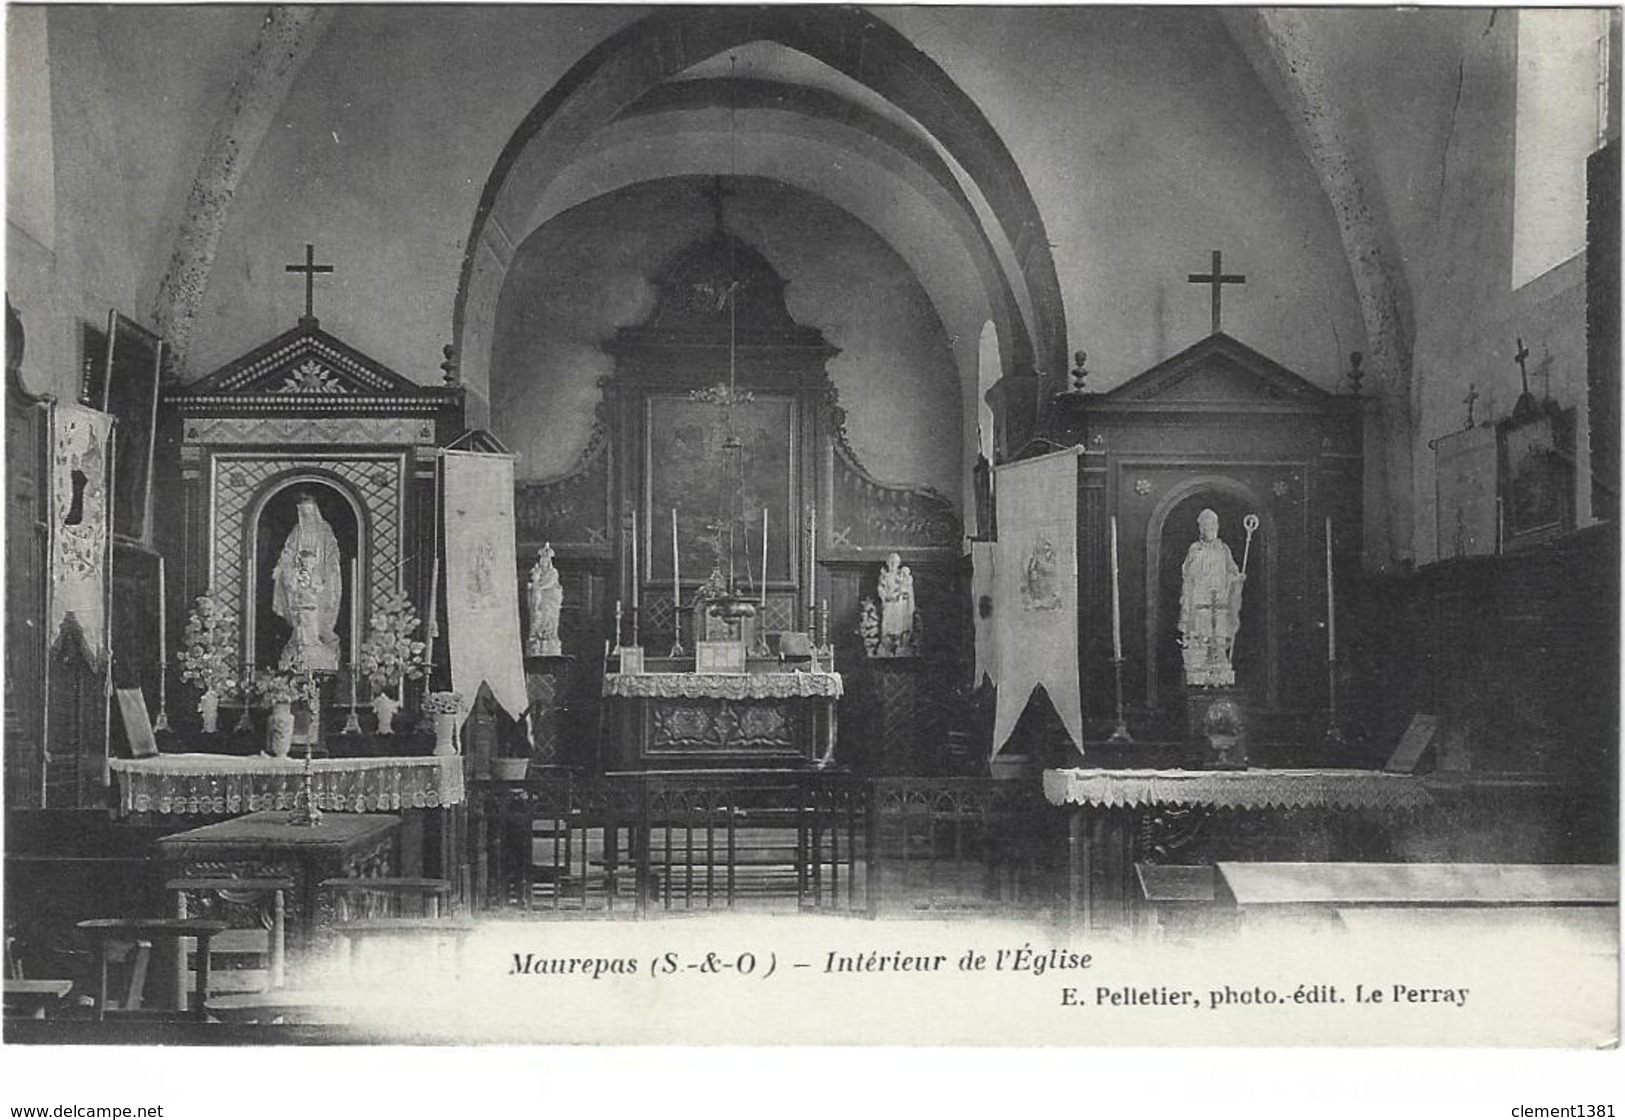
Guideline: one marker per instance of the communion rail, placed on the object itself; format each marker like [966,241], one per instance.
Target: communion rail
[626,845]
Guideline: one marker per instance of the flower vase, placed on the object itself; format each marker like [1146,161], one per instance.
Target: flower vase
[208,707]
[445,733]
[279,730]
[384,706]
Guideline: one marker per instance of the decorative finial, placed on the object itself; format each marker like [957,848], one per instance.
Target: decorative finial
[451,367]
[1356,374]
[1079,372]
[1470,400]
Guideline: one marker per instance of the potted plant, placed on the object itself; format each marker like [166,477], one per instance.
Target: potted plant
[207,657]
[446,709]
[514,762]
[390,656]
[281,689]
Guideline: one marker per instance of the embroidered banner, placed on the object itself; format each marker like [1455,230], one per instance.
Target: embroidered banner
[984,608]
[79,488]
[1036,591]
[482,585]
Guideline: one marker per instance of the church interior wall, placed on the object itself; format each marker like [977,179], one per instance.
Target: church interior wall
[592,270]
[1139,175]
[1469,315]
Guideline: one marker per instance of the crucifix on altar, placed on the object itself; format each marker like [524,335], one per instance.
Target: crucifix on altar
[1216,279]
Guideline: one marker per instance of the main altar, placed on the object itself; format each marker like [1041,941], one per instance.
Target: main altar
[682,719]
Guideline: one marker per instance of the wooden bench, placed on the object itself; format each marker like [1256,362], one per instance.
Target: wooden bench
[1353,897]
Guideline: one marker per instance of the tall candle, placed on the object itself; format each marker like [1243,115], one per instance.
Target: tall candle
[1331,599]
[676,583]
[764,556]
[1117,600]
[812,568]
[634,560]
[355,607]
[163,635]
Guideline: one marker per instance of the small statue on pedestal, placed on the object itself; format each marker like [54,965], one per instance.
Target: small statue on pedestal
[892,633]
[546,597]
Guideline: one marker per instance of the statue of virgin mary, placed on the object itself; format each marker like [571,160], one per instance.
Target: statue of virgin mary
[308,581]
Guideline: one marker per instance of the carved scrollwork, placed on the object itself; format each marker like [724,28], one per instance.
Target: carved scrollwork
[873,516]
[571,508]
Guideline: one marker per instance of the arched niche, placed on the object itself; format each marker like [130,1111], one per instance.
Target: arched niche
[1169,533]
[272,516]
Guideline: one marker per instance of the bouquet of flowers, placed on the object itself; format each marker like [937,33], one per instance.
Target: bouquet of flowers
[389,653]
[443,703]
[285,686]
[208,648]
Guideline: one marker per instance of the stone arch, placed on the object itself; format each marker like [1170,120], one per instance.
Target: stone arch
[626,66]
[1156,630]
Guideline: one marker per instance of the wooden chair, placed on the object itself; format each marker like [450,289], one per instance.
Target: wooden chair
[110,934]
[396,909]
[388,897]
[25,998]
[246,958]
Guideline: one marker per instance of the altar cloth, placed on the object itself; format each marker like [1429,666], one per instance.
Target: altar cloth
[723,686]
[1236,789]
[212,784]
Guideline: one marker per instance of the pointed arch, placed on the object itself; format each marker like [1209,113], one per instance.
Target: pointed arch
[626,66]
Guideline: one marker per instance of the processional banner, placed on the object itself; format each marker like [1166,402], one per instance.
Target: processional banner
[482,584]
[1036,600]
[79,511]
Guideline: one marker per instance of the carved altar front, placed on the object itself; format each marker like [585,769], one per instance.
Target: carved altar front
[305,414]
[672,720]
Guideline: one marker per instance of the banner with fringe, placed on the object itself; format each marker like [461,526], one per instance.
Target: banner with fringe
[1036,591]
[79,510]
[482,584]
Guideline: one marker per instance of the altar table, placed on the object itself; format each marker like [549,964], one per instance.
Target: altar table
[743,720]
[264,845]
[1110,808]
[216,784]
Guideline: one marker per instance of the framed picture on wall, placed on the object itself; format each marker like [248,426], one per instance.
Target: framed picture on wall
[129,390]
[685,470]
[1537,475]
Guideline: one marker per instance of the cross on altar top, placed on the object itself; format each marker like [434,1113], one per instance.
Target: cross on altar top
[1521,357]
[1216,280]
[310,268]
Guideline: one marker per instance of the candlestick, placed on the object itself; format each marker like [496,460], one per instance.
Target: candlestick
[1331,599]
[162,722]
[617,624]
[355,607]
[1117,605]
[812,567]
[764,556]
[676,594]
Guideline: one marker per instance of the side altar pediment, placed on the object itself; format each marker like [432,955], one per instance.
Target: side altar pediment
[1217,372]
[307,367]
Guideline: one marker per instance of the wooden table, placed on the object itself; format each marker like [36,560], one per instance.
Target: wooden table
[1109,809]
[264,845]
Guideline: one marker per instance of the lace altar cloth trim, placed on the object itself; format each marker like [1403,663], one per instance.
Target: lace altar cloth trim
[1236,789]
[208,784]
[723,686]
